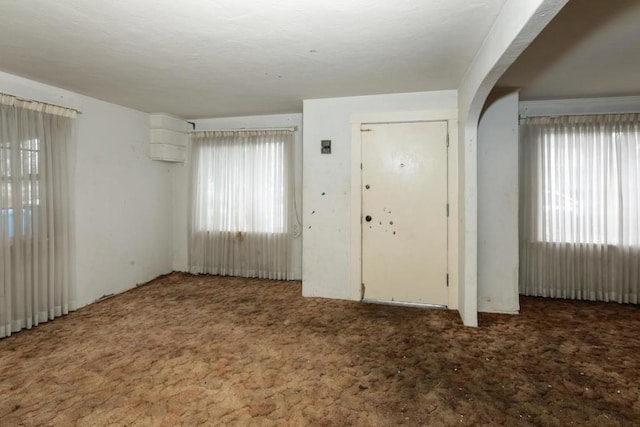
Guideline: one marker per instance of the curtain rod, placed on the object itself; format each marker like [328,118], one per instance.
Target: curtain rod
[558,115]
[19,98]
[554,116]
[291,129]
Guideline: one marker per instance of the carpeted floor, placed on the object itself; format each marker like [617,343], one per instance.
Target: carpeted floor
[188,350]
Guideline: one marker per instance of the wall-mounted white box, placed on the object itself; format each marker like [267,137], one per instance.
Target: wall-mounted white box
[167,152]
[168,137]
[166,121]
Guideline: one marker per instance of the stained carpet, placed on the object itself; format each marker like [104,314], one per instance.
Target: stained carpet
[190,350]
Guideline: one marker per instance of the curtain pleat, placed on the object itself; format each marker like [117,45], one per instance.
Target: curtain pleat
[35,230]
[580,207]
[241,200]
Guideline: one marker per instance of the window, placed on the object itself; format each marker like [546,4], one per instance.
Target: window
[36,155]
[242,186]
[582,173]
[580,207]
[241,199]
[580,202]
[22,206]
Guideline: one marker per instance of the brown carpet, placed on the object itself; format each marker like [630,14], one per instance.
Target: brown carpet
[188,350]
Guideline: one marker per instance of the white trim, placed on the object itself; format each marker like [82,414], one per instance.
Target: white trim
[404,116]
[405,304]
[516,312]
[580,106]
[451,117]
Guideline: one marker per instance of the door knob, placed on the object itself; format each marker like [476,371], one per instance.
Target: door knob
[368,218]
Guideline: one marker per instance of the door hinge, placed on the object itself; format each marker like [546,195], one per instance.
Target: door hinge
[360,166]
[447,209]
[447,280]
[447,139]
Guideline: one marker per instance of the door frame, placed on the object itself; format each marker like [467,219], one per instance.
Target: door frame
[355,261]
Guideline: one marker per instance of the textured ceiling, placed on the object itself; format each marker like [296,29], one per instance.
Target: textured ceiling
[200,58]
[590,49]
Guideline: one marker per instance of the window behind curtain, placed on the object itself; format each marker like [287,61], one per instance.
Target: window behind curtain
[581,177]
[242,185]
[241,199]
[36,244]
[25,165]
[580,207]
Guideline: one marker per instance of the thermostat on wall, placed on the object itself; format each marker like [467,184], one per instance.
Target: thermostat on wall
[325,146]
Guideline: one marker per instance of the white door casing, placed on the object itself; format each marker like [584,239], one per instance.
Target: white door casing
[404,197]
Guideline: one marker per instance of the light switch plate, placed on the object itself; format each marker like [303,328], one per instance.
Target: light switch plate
[325,146]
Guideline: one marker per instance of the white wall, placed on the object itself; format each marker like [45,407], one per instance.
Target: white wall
[181,182]
[327,206]
[517,25]
[123,199]
[498,205]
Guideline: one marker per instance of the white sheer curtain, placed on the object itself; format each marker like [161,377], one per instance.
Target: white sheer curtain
[36,155]
[241,201]
[580,207]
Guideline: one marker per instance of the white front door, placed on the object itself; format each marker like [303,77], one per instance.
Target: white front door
[404,212]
